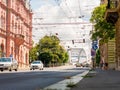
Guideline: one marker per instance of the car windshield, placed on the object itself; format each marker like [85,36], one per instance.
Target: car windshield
[36,62]
[5,60]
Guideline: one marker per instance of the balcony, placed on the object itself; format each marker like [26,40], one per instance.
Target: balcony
[19,39]
[111,14]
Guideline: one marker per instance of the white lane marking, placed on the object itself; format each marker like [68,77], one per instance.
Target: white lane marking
[62,84]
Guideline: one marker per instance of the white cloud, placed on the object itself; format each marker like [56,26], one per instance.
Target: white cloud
[49,13]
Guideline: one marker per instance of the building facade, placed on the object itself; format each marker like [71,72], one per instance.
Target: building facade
[108,50]
[113,16]
[16,30]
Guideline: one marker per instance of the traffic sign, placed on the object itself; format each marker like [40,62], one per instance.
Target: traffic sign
[95,44]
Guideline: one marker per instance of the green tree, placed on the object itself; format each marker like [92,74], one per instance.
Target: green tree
[33,53]
[45,57]
[50,50]
[98,57]
[103,30]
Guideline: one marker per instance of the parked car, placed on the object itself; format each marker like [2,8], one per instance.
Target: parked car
[79,65]
[86,65]
[36,65]
[8,63]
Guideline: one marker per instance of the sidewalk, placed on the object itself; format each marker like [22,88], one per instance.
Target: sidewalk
[100,80]
[50,68]
[61,67]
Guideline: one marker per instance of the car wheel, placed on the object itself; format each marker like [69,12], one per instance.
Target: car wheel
[16,69]
[41,68]
[1,70]
[10,69]
[30,68]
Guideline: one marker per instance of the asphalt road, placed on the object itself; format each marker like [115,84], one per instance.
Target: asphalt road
[35,80]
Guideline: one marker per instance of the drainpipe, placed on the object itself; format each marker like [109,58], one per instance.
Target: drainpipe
[8,28]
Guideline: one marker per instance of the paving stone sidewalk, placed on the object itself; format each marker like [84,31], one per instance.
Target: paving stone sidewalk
[100,80]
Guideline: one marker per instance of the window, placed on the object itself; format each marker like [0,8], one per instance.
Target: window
[0,23]
[4,2]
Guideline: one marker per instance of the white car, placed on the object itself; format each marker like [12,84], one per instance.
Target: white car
[36,65]
[8,63]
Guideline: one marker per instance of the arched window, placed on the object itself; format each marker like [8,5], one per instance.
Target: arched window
[12,24]
[2,50]
[26,58]
[12,50]
[2,22]
[2,47]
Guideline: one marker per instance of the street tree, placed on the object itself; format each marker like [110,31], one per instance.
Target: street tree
[50,50]
[98,57]
[33,53]
[102,29]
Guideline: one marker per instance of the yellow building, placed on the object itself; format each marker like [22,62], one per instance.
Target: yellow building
[112,16]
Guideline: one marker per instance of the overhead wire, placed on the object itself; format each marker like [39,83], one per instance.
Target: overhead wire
[71,14]
[73,23]
[62,11]
[75,17]
[70,11]
[80,9]
[58,4]
[69,18]
[61,8]
[80,16]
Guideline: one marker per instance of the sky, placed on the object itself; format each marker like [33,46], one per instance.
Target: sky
[69,8]
[62,11]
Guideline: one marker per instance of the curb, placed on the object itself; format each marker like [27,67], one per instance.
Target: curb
[62,85]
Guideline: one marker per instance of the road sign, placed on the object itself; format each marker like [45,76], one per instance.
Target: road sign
[95,44]
[95,47]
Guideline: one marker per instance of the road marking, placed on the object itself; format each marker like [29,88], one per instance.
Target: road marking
[62,85]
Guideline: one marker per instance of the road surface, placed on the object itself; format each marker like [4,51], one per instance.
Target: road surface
[35,80]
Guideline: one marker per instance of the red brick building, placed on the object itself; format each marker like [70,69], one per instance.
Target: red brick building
[16,30]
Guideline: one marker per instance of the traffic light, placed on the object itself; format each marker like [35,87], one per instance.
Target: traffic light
[72,41]
[83,40]
[56,33]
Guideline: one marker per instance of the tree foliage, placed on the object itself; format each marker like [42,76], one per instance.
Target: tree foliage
[33,53]
[50,50]
[98,57]
[103,30]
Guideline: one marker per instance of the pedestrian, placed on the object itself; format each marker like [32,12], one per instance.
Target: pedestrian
[106,65]
[101,64]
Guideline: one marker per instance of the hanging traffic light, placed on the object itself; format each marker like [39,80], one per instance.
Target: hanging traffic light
[83,40]
[72,41]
